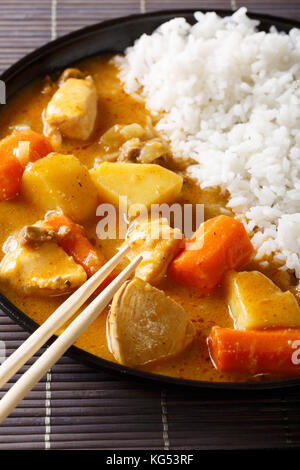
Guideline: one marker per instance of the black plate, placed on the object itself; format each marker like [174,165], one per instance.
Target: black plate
[112,37]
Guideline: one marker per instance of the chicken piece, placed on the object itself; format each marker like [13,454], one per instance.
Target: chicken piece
[72,111]
[146,325]
[256,302]
[42,269]
[158,243]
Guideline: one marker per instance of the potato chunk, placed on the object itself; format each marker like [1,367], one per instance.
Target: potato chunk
[141,183]
[146,325]
[256,302]
[44,269]
[61,181]
[72,111]
[159,244]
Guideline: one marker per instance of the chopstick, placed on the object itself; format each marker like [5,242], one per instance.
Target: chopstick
[58,318]
[25,383]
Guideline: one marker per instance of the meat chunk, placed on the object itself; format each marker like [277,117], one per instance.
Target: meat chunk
[130,150]
[42,269]
[33,235]
[159,244]
[70,73]
[143,152]
[146,325]
[72,111]
[41,232]
[133,143]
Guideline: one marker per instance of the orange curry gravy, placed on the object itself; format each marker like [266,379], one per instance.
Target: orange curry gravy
[115,107]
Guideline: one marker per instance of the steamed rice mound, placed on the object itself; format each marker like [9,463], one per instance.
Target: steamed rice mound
[228,96]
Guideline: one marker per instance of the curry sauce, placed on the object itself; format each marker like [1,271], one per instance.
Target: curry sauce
[114,107]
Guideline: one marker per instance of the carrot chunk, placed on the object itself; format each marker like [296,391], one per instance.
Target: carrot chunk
[39,144]
[10,176]
[11,168]
[256,351]
[75,243]
[219,244]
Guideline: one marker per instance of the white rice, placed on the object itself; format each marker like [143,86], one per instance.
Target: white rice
[229,97]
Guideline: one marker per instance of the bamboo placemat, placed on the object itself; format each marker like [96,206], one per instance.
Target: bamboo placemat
[77,407]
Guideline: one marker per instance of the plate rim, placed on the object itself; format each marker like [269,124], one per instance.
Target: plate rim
[81,355]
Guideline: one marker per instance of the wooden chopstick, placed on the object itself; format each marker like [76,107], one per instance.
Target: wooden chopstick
[58,318]
[25,383]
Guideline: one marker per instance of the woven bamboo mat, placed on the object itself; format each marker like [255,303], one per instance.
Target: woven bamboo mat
[76,407]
